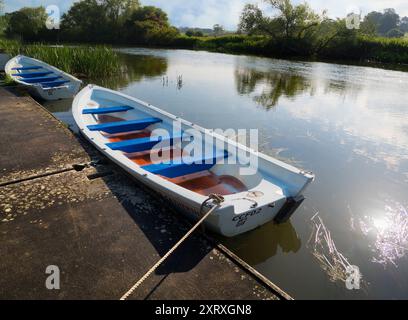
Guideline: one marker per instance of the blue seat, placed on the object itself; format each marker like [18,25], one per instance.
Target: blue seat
[141,144]
[27,68]
[32,74]
[174,170]
[124,126]
[54,84]
[106,110]
[41,79]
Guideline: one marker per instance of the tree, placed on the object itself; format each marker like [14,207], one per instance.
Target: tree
[149,25]
[117,11]
[292,21]
[294,28]
[368,27]
[389,21]
[27,23]
[404,24]
[218,29]
[194,33]
[3,19]
[384,22]
[85,20]
[98,20]
[395,33]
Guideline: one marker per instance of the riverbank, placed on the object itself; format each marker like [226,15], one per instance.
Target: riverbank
[357,50]
[92,60]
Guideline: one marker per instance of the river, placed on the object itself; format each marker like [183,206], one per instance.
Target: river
[347,124]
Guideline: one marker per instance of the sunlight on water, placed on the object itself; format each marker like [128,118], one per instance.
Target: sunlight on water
[390,230]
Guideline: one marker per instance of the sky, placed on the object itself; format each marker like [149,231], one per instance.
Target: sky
[206,13]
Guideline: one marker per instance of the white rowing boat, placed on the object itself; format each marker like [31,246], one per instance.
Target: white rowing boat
[144,141]
[41,79]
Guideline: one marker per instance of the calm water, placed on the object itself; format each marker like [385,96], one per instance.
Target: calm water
[347,124]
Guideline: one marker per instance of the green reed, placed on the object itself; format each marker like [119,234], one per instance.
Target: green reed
[83,61]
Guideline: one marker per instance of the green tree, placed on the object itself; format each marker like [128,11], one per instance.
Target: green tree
[368,27]
[194,33]
[98,20]
[292,21]
[85,21]
[295,29]
[373,18]
[395,33]
[149,25]
[404,24]
[384,22]
[27,23]
[218,29]
[118,11]
[190,33]
[389,21]
[3,19]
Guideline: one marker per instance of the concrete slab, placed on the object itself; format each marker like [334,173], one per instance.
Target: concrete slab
[32,141]
[104,234]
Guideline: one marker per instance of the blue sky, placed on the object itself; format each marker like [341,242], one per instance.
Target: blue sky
[205,13]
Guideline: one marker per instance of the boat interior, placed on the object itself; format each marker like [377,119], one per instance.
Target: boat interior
[195,177]
[31,74]
[136,139]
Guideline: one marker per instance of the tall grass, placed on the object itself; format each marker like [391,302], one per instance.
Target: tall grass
[359,48]
[82,61]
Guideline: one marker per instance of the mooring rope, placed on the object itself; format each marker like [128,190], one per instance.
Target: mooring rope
[217,200]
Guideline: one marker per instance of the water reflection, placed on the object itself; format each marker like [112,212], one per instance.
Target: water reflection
[135,69]
[269,87]
[267,240]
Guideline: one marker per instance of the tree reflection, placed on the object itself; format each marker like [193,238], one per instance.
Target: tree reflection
[135,68]
[269,87]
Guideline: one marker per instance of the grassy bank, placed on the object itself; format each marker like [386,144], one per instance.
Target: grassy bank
[82,61]
[357,49]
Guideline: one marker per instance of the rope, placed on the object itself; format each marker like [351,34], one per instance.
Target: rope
[217,200]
